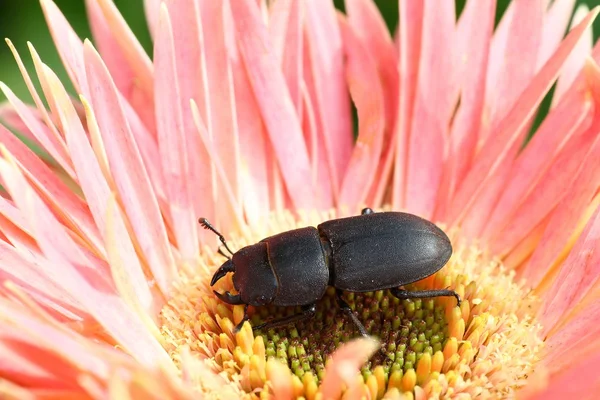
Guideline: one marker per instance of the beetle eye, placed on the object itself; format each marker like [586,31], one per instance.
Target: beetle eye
[261,300]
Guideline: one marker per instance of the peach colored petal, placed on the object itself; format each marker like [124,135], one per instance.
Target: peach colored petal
[68,268]
[172,139]
[97,191]
[435,100]
[474,33]
[569,119]
[495,151]
[367,94]
[269,88]
[575,62]
[409,34]
[71,209]
[578,274]
[344,365]
[129,173]
[52,140]
[577,381]
[191,73]
[326,48]
[280,379]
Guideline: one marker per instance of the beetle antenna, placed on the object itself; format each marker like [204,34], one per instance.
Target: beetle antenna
[207,225]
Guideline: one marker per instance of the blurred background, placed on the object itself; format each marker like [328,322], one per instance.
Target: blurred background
[22,21]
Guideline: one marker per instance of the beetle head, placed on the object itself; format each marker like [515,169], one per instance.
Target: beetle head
[220,273]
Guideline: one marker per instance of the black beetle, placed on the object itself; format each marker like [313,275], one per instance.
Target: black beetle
[373,251]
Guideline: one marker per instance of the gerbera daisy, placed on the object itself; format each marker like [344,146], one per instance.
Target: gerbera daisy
[244,116]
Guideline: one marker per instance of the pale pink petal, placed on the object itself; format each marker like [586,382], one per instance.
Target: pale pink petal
[10,118]
[434,103]
[556,21]
[473,37]
[221,120]
[172,139]
[128,171]
[191,74]
[59,248]
[97,191]
[275,104]
[151,8]
[494,153]
[575,62]
[72,210]
[367,94]
[409,30]
[578,274]
[327,52]
[344,366]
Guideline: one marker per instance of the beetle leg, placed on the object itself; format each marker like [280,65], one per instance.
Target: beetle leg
[229,298]
[422,294]
[366,211]
[308,311]
[346,309]
[237,328]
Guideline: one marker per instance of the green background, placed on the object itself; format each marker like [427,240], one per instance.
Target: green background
[22,21]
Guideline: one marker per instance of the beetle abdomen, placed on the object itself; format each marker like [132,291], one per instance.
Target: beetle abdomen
[298,261]
[383,250]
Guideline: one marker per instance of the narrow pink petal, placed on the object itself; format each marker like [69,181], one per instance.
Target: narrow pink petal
[10,118]
[409,34]
[72,210]
[269,89]
[128,171]
[312,124]
[575,62]
[556,21]
[191,74]
[367,94]
[343,368]
[327,57]
[494,152]
[286,34]
[434,102]
[97,191]
[151,8]
[221,106]
[473,36]
[108,309]
[564,122]
[518,62]
[172,140]
[578,274]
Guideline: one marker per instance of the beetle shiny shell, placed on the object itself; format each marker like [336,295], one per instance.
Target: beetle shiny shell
[372,251]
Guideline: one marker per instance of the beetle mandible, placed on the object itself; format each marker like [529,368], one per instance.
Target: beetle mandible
[373,251]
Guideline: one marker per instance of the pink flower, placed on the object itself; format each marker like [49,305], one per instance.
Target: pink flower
[244,116]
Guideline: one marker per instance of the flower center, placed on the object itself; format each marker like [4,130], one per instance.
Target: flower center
[486,347]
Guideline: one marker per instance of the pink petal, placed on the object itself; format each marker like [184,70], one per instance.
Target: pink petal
[172,140]
[367,94]
[410,29]
[191,74]
[62,253]
[474,32]
[71,209]
[494,153]
[575,62]
[151,8]
[97,191]
[435,99]
[569,119]
[268,85]
[345,365]
[556,21]
[327,52]
[128,171]
[221,120]
[578,274]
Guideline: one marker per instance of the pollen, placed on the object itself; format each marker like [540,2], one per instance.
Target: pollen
[429,348]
